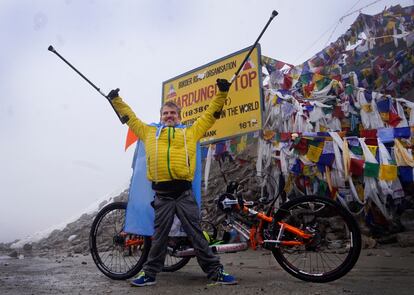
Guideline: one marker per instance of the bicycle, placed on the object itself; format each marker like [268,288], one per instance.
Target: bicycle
[313,238]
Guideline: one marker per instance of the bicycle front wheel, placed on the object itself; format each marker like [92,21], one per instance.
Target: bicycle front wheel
[117,255]
[330,253]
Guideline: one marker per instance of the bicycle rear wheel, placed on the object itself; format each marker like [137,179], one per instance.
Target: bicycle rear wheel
[117,255]
[173,263]
[333,250]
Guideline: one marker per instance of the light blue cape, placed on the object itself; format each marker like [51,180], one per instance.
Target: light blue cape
[140,214]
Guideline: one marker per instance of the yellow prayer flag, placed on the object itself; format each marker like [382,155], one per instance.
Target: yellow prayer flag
[307,170]
[390,25]
[353,39]
[289,184]
[314,153]
[360,192]
[317,77]
[345,123]
[241,146]
[367,107]
[342,134]
[328,178]
[388,172]
[385,116]
[347,157]
[268,134]
[274,100]
[373,149]
[378,82]
[366,72]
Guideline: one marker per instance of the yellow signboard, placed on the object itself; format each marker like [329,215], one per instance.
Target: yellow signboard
[194,90]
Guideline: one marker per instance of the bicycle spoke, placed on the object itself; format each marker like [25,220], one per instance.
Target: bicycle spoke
[109,249]
[322,257]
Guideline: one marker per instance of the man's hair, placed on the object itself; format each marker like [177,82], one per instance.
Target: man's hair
[171,104]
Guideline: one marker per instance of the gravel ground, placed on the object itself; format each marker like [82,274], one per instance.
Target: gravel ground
[378,271]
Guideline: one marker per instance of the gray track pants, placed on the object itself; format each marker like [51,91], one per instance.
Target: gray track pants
[187,211]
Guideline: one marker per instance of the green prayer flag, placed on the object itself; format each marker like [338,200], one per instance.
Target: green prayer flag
[314,142]
[306,78]
[322,83]
[277,137]
[357,150]
[323,188]
[349,89]
[327,110]
[371,169]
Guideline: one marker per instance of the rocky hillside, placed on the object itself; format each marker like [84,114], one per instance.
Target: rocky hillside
[74,238]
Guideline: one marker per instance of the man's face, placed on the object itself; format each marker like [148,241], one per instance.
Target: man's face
[169,116]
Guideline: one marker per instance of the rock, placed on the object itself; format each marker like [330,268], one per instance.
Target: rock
[389,239]
[387,254]
[72,237]
[406,239]
[77,250]
[364,228]
[14,254]
[368,242]
[407,219]
[45,248]
[27,247]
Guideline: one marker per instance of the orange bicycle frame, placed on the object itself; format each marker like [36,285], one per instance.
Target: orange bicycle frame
[257,238]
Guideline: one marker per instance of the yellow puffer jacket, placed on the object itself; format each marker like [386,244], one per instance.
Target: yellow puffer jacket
[173,155]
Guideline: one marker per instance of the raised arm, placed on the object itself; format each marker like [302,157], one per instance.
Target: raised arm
[207,119]
[137,126]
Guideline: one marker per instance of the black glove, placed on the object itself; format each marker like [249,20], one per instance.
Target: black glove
[223,85]
[113,94]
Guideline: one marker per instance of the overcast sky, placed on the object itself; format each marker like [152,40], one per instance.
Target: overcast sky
[61,145]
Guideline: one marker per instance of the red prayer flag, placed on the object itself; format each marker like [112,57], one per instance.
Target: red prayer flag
[287,82]
[371,141]
[337,112]
[357,167]
[368,133]
[307,89]
[394,119]
[285,136]
[302,146]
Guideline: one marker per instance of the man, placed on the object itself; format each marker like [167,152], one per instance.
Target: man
[171,159]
